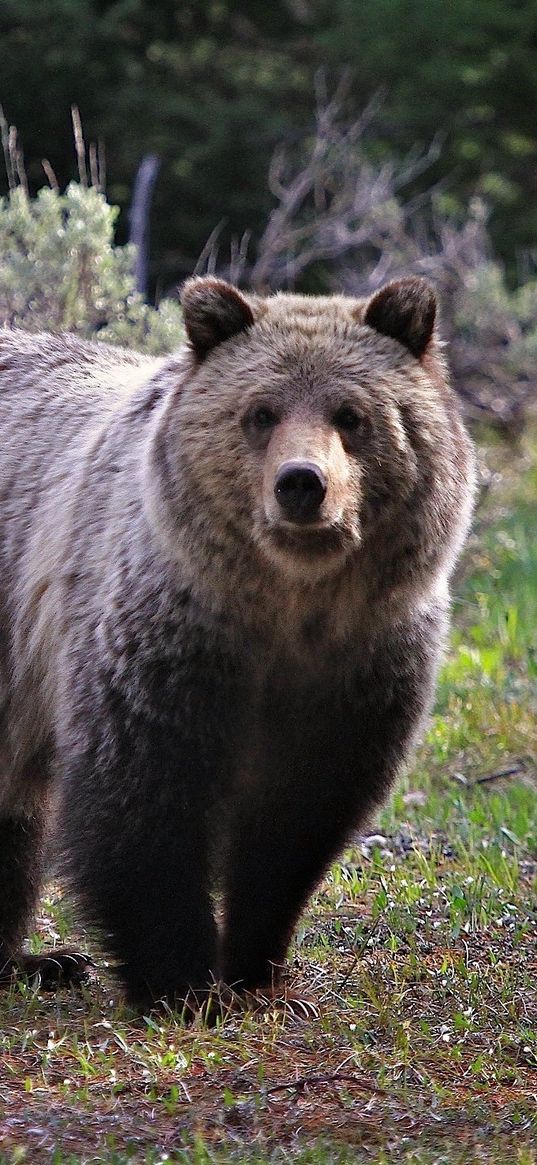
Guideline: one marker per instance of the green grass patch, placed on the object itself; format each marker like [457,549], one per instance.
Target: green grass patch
[420,951]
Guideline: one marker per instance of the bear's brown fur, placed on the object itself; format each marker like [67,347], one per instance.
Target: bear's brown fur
[222,602]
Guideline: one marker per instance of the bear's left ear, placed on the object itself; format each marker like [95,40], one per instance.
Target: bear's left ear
[213,311]
[405,310]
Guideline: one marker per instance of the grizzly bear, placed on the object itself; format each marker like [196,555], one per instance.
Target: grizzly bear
[223,597]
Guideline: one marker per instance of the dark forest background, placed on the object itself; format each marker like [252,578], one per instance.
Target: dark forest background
[215,86]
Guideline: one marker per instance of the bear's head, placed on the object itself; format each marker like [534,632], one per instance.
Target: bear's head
[310,431]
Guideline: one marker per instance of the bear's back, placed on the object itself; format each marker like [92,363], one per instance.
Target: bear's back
[57,392]
[61,370]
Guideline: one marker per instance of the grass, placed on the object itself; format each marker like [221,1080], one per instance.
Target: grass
[419,949]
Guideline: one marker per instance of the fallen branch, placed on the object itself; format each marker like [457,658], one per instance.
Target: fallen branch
[304,1082]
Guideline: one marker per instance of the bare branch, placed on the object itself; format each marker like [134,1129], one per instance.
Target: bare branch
[239,256]
[80,147]
[335,202]
[94,165]
[101,165]
[208,258]
[4,132]
[50,175]
[17,159]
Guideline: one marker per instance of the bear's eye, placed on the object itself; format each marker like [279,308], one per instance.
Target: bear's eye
[263,418]
[348,419]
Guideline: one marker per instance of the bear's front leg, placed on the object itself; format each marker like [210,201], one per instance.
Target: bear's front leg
[133,827]
[328,756]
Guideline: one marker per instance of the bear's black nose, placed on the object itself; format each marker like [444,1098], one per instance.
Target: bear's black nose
[300,489]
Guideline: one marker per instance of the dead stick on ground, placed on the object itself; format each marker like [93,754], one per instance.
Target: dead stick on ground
[515,771]
[334,1078]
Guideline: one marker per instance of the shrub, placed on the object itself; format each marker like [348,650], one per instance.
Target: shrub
[61,271]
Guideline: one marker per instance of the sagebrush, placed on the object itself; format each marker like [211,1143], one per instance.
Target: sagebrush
[60,270]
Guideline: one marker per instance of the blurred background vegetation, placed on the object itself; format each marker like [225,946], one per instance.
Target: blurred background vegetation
[214,86]
[316,144]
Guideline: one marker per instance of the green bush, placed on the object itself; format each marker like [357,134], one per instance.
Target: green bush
[61,271]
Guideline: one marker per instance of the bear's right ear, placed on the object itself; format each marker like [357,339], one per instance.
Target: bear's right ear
[213,311]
